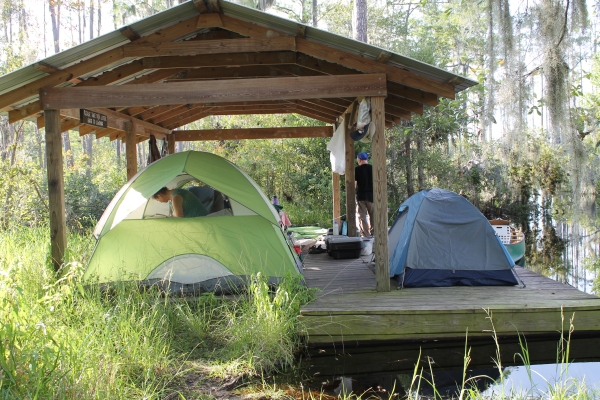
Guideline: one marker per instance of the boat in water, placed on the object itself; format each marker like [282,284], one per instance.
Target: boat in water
[513,240]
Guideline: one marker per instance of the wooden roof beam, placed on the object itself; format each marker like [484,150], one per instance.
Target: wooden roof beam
[198,115]
[220,60]
[313,116]
[45,67]
[103,132]
[36,108]
[396,112]
[405,104]
[86,129]
[202,113]
[196,47]
[293,88]
[322,113]
[395,89]
[211,20]
[251,71]
[122,72]
[282,109]
[253,133]
[331,107]
[249,29]
[179,113]
[148,113]
[115,120]
[129,33]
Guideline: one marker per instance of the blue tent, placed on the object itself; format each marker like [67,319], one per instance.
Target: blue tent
[440,239]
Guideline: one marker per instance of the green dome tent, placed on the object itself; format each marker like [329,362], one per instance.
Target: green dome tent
[218,252]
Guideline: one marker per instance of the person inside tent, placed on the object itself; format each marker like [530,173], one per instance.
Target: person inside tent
[183,203]
[211,199]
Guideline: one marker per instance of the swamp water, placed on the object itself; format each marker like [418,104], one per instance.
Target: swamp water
[536,368]
[382,370]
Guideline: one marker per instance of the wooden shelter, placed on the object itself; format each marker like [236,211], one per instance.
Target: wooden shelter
[212,57]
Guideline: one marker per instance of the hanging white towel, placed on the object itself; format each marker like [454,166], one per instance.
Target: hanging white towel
[337,148]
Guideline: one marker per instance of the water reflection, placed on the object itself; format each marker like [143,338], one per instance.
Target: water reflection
[386,369]
[567,253]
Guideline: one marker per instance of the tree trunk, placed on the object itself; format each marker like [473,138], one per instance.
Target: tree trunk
[420,152]
[92,10]
[4,134]
[68,153]
[87,144]
[15,134]
[99,24]
[40,150]
[115,14]
[119,144]
[54,6]
[141,155]
[314,13]
[410,188]
[359,23]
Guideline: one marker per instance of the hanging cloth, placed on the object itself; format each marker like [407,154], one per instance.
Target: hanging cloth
[153,153]
[337,148]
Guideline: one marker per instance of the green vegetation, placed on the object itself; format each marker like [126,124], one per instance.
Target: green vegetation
[61,340]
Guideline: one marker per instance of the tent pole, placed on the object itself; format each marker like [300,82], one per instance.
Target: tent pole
[56,192]
[380,201]
[130,149]
[350,189]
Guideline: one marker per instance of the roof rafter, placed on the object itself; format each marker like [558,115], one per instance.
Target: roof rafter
[195,47]
[253,133]
[218,60]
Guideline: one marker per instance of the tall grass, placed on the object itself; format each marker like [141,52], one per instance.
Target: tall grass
[60,340]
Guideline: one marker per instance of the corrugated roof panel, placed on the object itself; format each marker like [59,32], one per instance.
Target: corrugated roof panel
[20,77]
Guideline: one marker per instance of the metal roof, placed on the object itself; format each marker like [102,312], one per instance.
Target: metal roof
[186,10]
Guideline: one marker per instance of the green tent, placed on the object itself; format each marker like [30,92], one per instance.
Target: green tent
[218,252]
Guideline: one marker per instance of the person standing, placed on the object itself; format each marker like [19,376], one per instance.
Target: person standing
[363,175]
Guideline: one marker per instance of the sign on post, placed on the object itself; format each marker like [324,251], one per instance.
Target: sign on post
[93,118]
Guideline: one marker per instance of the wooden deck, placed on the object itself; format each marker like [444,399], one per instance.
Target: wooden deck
[348,309]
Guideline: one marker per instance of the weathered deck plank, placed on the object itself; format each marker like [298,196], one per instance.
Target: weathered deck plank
[348,308]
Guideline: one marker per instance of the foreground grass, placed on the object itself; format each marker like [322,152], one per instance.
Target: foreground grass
[59,340]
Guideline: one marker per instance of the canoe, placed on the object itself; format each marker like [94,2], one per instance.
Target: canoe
[513,240]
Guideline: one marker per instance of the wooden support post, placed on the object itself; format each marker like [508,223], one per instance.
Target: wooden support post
[380,202]
[171,144]
[350,188]
[336,200]
[56,193]
[130,149]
